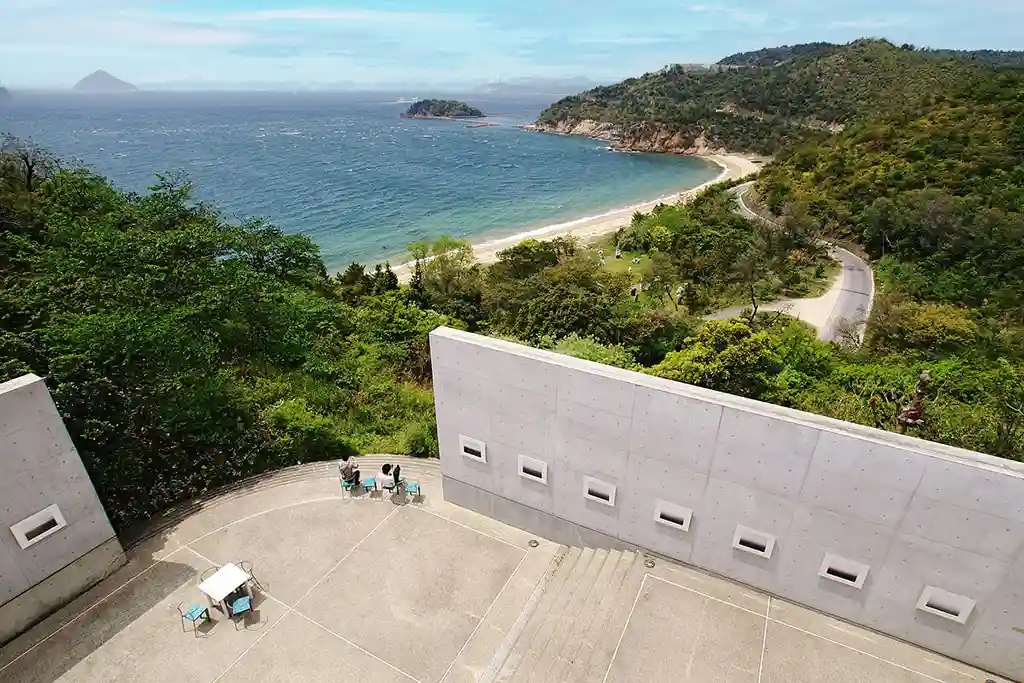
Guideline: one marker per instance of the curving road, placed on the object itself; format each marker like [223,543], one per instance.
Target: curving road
[849,299]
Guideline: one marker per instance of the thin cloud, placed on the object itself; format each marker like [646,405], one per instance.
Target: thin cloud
[866,23]
[352,16]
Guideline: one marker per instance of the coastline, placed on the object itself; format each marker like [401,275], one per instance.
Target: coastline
[589,228]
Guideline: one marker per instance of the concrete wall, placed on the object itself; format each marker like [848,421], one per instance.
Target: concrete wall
[39,467]
[916,513]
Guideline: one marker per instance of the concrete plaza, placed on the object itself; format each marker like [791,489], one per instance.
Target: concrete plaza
[383,590]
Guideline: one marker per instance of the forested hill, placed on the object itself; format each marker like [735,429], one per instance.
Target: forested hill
[770,56]
[937,197]
[761,109]
[443,108]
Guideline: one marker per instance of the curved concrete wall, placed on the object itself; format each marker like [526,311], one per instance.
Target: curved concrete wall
[40,470]
[832,504]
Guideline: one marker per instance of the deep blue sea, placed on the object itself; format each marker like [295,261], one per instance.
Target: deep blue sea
[344,169]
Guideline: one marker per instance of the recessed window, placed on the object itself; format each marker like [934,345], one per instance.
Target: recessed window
[474,449]
[753,541]
[31,530]
[947,605]
[532,469]
[844,571]
[599,491]
[672,515]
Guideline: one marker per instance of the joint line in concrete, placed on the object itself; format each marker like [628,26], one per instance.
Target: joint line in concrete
[624,627]
[465,526]
[483,618]
[764,641]
[345,557]
[349,642]
[88,609]
[797,628]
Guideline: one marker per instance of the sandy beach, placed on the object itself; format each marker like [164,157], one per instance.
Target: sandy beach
[589,228]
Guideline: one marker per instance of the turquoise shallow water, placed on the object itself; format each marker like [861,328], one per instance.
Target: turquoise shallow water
[345,170]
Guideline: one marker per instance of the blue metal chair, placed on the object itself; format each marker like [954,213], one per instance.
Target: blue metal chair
[412,488]
[240,606]
[349,486]
[370,484]
[195,614]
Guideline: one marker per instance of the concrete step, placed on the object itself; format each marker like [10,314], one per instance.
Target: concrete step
[514,634]
[521,649]
[581,660]
[561,602]
[607,639]
[591,617]
[554,648]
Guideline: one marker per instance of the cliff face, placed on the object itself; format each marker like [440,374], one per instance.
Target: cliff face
[647,137]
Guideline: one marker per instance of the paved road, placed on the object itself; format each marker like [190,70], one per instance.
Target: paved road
[850,298]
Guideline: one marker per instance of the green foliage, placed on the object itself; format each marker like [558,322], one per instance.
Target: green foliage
[660,238]
[931,328]
[937,197]
[726,356]
[770,56]
[452,108]
[184,352]
[588,348]
[796,94]
[303,433]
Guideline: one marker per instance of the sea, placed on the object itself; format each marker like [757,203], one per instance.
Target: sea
[345,169]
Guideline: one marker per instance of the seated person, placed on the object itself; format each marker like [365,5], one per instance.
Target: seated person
[388,472]
[349,473]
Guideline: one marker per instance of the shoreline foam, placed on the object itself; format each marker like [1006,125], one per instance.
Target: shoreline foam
[588,228]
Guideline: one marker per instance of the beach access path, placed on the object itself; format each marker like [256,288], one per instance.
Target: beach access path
[587,229]
[846,303]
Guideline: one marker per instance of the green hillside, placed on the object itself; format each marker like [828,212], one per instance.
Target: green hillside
[454,108]
[938,197]
[770,56]
[761,109]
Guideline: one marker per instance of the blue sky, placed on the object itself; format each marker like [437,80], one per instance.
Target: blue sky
[410,43]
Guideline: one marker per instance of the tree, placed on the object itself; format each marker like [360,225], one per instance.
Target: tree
[32,161]
[726,356]
[660,238]
[1008,404]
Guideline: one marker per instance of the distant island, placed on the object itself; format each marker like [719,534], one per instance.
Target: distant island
[4,93]
[442,109]
[103,82]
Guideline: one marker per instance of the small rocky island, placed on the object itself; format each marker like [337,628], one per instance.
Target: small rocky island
[103,82]
[442,109]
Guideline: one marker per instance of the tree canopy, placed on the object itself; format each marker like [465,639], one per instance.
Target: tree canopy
[453,108]
[185,352]
[803,93]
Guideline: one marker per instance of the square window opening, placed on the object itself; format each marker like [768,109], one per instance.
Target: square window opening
[533,469]
[474,449]
[753,541]
[599,491]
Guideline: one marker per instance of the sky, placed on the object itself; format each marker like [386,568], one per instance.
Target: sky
[420,43]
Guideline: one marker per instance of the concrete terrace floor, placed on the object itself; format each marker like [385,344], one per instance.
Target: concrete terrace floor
[396,591]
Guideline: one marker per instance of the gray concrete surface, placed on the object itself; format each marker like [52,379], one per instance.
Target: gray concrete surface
[393,593]
[685,627]
[916,513]
[39,468]
[618,616]
[356,588]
